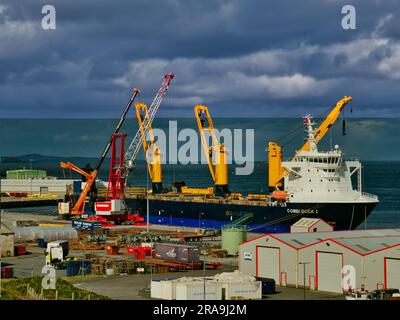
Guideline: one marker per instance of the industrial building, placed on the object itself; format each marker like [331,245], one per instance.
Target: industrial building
[373,257]
[26,174]
[37,186]
[310,225]
[6,241]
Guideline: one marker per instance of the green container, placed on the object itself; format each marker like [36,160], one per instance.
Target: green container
[26,174]
[232,237]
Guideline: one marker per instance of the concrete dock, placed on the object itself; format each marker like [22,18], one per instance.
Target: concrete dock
[20,202]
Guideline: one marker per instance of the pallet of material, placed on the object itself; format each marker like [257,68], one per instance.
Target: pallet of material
[80,245]
[120,265]
[175,266]
[218,253]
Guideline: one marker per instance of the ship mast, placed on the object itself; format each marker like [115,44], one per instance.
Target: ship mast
[310,133]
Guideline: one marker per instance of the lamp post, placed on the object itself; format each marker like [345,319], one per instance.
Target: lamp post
[204,277]
[304,278]
[147,203]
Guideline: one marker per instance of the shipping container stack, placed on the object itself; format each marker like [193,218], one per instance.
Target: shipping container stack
[177,252]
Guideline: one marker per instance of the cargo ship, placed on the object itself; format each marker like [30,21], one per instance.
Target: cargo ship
[317,184]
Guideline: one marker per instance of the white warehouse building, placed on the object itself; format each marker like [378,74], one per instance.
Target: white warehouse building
[373,257]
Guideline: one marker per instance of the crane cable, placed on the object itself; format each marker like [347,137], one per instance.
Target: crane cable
[321,115]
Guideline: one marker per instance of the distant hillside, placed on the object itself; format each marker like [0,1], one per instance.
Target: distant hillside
[33,157]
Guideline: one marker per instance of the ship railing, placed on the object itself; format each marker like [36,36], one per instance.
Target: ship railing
[343,159]
[369,195]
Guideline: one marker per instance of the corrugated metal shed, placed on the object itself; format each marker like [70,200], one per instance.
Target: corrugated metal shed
[368,245]
[375,254]
[299,240]
[26,174]
[310,225]
[305,222]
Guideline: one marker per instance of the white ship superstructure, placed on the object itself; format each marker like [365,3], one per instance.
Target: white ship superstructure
[324,177]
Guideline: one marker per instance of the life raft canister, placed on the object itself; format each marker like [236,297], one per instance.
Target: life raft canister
[280,195]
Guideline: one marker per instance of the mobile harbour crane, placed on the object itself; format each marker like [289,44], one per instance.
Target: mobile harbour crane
[78,209]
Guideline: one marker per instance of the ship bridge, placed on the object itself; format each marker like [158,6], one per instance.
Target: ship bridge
[323,176]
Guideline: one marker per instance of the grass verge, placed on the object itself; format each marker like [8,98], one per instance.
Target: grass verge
[16,289]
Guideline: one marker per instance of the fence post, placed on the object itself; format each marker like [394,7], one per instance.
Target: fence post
[73,295]
[56,294]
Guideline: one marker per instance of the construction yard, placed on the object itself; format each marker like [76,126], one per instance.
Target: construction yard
[118,267]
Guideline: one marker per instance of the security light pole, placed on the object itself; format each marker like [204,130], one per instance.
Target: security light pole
[147,203]
[204,276]
[304,278]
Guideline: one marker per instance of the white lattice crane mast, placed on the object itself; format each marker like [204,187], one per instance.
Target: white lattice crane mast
[137,141]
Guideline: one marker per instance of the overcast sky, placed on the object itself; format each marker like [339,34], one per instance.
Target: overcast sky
[240,58]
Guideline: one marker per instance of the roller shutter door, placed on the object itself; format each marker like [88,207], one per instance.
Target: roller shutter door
[392,273]
[268,263]
[329,272]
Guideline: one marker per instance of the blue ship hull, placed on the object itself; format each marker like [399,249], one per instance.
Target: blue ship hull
[267,219]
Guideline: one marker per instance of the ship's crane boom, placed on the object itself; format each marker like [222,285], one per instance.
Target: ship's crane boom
[136,91]
[137,141]
[151,150]
[79,206]
[275,170]
[218,168]
[326,124]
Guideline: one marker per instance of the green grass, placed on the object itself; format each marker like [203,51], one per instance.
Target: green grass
[16,289]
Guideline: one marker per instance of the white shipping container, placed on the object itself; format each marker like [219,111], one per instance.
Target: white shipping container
[195,290]
[155,289]
[246,290]
[163,289]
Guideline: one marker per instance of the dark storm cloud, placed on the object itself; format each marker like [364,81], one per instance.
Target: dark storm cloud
[269,58]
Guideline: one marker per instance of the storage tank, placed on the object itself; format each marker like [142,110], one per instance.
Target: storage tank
[232,237]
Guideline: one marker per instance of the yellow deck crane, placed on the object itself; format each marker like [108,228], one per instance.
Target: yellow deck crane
[218,167]
[151,150]
[275,170]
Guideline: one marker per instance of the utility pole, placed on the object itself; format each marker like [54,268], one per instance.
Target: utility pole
[147,203]
[204,276]
[304,278]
